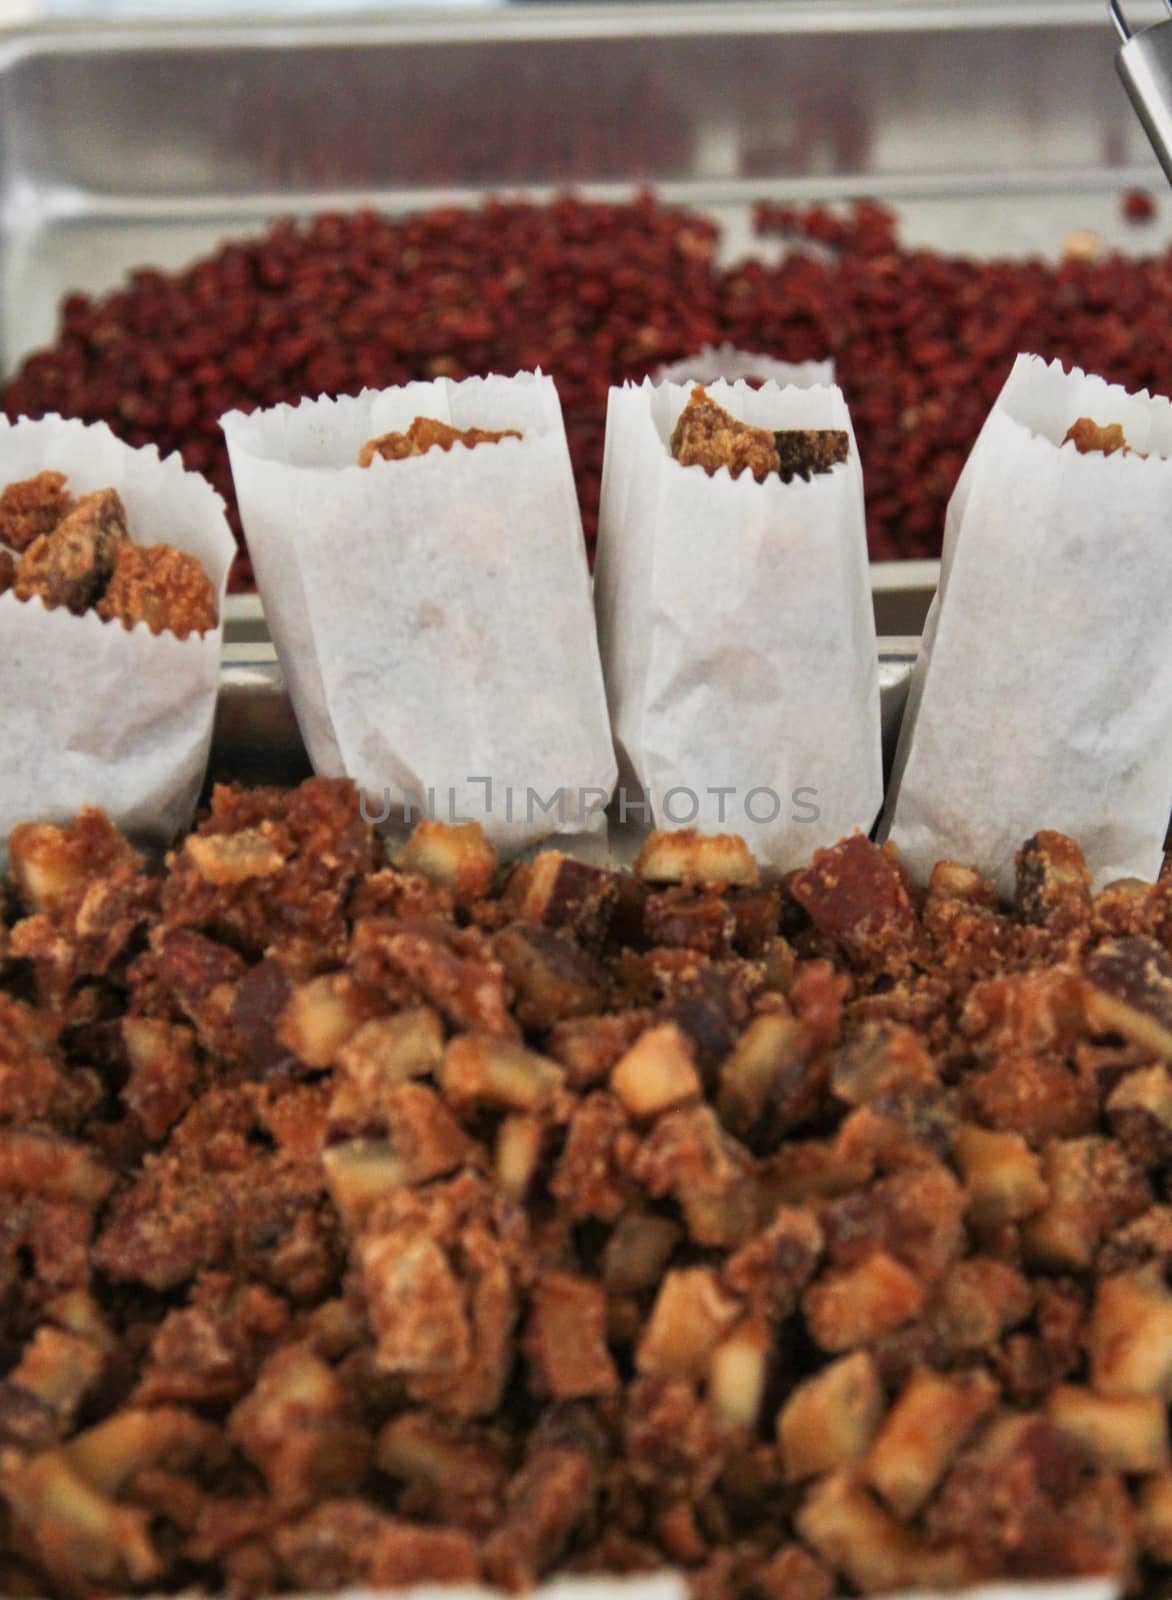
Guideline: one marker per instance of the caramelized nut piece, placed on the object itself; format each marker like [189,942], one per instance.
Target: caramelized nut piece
[458,855]
[829,1421]
[321,1015]
[1123,1433]
[481,1070]
[638,1251]
[858,1306]
[690,1318]
[224,859]
[49,861]
[767,1069]
[72,565]
[519,1147]
[878,1060]
[561,892]
[1093,1188]
[1089,437]
[875,1552]
[1131,1336]
[1002,1175]
[33,507]
[387,1050]
[566,1339]
[657,1072]
[360,1173]
[554,977]
[685,856]
[738,1373]
[925,1428]
[1053,882]
[1129,991]
[166,588]
[708,436]
[1140,1111]
[1155,1518]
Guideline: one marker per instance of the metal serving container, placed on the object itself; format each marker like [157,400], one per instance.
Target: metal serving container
[992,127]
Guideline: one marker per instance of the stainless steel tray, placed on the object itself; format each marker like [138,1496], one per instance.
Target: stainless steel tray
[993,127]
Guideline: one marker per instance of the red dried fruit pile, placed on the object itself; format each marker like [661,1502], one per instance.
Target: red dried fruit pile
[594,294]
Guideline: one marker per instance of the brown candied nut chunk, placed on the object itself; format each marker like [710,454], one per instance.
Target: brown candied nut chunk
[1027,1012]
[322,1014]
[830,1420]
[299,912]
[775,1266]
[878,1058]
[1034,1096]
[691,1317]
[769,1077]
[854,892]
[565,1339]
[1053,883]
[57,1369]
[1147,1239]
[1130,1336]
[792,1573]
[456,855]
[855,1536]
[592,1175]
[407,1554]
[360,1173]
[858,1305]
[1129,992]
[559,892]
[657,1073]
[79,1536]
[296,1426]
[925,1428]
[1124,1433]
[207,1353]
[451,969]
[688,1155]
[1090,437]
[166,588]
[1139,1110]
[739,1373]
[72,565]
[806,452]
[1093,1189]
[388,447]
[424,1135]
[162,1074]
[385,1051]
[480,1070]
[977,1301]
[675,1444]
[906,1128]
[226,859]
[552,1495]
[45,1164]
[1001,1174]
[638,1251]
[708,436]
[415,1303]
[33,507]
[685,856]
[915,1216]
[552,976]
[49,862]
[7,571]
[199,977]
[1154,1526]
[587,1048]
[682,918]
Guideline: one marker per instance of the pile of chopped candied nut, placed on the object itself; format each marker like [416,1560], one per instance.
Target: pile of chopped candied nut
[708,436]
[77,553]
[369,1223]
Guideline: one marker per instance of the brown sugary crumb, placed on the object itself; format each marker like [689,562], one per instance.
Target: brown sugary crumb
[72,565]
[805,452]
[166,588]
[32,507]
[1088,437]
[708,436]
[424,434]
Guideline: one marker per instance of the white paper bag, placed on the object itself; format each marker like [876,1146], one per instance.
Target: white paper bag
[1042,696]
[432,615]
[726,361]
[90,712]
[736,626]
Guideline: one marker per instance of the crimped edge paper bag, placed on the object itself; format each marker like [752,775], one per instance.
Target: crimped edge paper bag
[737,631]
[92,713]
[433,614]
[1042,694]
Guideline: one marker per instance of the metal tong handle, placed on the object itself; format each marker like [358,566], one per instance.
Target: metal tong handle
[1145,66]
